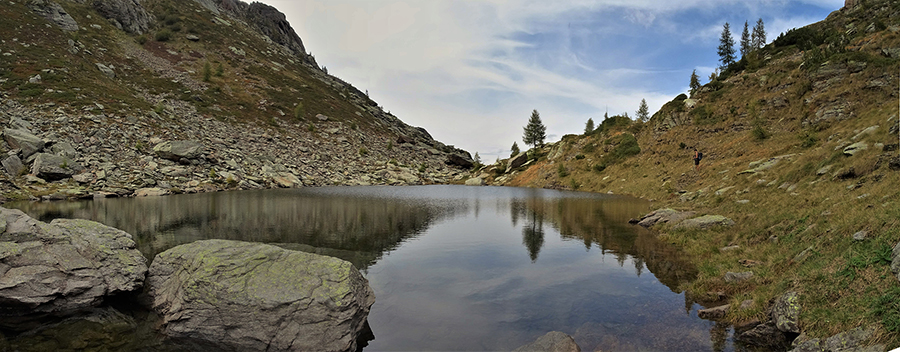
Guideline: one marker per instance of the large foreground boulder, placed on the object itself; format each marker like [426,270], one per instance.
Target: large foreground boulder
[231,295]
[61,268]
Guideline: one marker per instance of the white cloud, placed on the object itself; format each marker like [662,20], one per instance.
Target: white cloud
[471,71]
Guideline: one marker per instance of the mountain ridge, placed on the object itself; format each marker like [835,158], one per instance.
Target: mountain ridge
[109,80]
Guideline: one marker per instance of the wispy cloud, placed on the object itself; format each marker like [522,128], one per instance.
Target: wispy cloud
[471,71]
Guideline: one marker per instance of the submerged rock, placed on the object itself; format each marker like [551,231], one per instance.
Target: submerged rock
[61,268]
[553,341]
[234,295]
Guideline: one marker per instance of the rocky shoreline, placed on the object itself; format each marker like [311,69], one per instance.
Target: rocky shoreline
[95,153]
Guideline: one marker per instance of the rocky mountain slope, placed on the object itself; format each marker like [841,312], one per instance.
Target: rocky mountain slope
[801,152]
[127,97]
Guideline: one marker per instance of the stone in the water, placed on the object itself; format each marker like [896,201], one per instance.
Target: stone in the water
[553,341]
[256,297]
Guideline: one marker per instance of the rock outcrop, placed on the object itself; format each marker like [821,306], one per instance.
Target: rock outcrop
[61,268]
[244,296]
[55,13]
[664,216]
[127,15]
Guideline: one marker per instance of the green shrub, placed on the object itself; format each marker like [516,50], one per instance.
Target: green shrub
[561,171]
[588,148]
[599,167]
[808,139]
[363,151]
[164,35]
[579,157]
[299,112]
[703,115]
[207,72]
[759,132]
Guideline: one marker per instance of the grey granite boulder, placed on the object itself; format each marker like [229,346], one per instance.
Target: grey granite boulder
[13,166]
[553,341]
[255,297]
[517,161]
[54,167]
[61,268]
[177,150]
[27,142]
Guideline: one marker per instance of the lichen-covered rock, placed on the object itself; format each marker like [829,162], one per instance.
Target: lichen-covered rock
[553,341]
[705,222]
[61,268]
[786,313]
[257,297]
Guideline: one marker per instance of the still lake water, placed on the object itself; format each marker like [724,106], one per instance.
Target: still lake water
[455,267]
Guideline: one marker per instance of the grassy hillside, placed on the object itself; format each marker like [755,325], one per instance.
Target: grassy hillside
[773,129]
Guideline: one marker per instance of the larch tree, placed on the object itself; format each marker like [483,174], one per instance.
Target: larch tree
[535,131]
[515,150]
[726,47]
[745,40]
[758,37]
[695,82]
[589,126]
[643,111]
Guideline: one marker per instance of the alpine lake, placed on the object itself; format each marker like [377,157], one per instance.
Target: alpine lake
[454,268]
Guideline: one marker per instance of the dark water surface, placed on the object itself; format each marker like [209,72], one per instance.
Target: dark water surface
[453,267]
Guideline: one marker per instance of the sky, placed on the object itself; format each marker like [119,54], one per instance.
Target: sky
[471,71]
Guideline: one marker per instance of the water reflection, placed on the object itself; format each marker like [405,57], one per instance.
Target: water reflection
[453,267]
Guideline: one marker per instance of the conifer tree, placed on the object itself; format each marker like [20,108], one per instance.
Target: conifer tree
[535,131]
[758,38]
[643,111]
[745,41]
[695,82]
[515,150]
[589,126]
[726,47]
